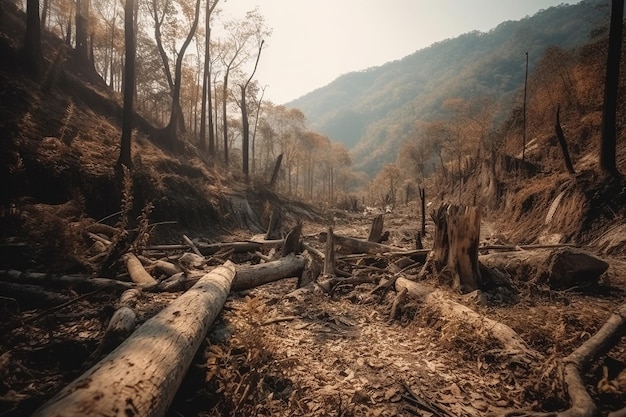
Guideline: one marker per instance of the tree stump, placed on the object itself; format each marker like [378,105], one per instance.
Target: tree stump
[457,233]
[377,229]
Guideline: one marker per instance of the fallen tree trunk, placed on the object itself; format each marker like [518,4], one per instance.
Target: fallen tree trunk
[564,267]
[250,276]
[137,272]
[141,376]
[212,248]
[354,245]
[513,345]
[78,282]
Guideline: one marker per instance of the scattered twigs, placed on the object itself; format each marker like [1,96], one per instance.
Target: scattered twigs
[192,245]
[60,306]
[279,319]
[423,403]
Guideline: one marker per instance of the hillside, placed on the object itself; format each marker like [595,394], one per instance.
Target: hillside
[374,110]
[317,328]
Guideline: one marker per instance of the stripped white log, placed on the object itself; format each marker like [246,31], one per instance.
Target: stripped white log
[141,376]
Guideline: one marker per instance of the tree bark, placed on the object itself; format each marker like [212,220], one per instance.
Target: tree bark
[329,255]
[77,282]
[129,86]
[32,41]
[137,272]
[354,245]
[422,191]
[609,110]
[279,160]
[376,230]
[457,233]
[254,275]
[141,376]
[561,137]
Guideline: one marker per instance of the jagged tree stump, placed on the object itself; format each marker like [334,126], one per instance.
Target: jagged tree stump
[457,233]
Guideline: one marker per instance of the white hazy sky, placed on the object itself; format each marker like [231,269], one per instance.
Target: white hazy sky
[315,41]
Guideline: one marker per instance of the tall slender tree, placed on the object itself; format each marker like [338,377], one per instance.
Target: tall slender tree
[129,84]
[32,41]
[244,119]
[609,113]
[206,111]
[82,21]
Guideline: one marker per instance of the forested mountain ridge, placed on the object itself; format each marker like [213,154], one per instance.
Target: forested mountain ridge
[374,110]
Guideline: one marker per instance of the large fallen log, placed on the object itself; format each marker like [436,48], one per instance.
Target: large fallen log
[513,345]
[250,276]
[560,268]
[141,376]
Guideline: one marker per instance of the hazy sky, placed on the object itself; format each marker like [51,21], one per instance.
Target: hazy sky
[315,41]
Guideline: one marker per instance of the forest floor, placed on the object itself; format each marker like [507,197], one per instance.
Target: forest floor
[273,351]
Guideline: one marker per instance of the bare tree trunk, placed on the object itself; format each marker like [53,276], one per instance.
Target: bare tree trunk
[142,375]
[609,110]
[32,41]
[129,86]
[376,230]
[457,232]
[563,143]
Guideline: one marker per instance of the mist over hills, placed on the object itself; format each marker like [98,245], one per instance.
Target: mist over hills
[373,111]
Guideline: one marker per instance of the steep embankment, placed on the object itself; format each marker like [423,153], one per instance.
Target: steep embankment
[60,140]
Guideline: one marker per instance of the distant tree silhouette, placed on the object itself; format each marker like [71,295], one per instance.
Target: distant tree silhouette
[129,84]
[244,118]
[82,19]
[32,41]
[609,112]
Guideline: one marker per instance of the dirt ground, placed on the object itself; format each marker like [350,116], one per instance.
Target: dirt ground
[280,352]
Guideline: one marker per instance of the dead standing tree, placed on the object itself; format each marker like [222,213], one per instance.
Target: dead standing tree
[455,246]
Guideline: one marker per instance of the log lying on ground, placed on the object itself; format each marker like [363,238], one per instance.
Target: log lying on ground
[354,245]
[560,268]
[31,296]
[137,272]
[78,282]
[250,276]
[141,376]
[212,248]
[513,345]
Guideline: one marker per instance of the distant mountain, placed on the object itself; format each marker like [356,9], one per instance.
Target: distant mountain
[373,111]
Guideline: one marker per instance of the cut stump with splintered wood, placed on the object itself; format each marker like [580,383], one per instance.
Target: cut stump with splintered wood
[457,234]
[141,376]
